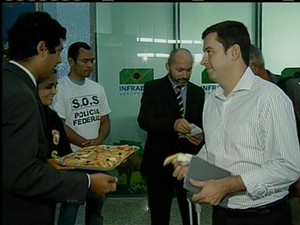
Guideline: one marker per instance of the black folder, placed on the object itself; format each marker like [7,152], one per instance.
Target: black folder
[202,170]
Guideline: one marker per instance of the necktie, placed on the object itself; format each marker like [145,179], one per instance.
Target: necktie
[179,100]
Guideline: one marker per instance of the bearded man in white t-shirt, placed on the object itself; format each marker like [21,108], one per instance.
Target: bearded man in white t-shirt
[82,104]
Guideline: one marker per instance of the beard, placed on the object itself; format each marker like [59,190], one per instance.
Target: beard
[182,81]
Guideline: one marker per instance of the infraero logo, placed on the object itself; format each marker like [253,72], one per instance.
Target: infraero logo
[132,80]
[207,84]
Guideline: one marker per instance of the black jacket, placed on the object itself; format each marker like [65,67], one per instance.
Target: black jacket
[158,112]
[54,127]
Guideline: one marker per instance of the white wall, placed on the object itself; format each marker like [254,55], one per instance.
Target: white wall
[76,19]
[118,27]
[281,35]
[195,17]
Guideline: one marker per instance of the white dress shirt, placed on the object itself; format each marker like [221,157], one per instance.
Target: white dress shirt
[252,133]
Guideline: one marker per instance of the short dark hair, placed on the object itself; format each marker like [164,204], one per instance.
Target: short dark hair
[229,33]
[175,51]
[29,29]
[73,50]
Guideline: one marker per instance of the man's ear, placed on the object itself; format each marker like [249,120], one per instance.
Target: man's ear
[167,66]
[235,52]
[41,48]
[71,61]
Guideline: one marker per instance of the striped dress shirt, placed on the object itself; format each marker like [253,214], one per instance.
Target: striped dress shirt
[252,133]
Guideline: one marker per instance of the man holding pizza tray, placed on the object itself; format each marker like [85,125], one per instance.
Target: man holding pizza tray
[30,188]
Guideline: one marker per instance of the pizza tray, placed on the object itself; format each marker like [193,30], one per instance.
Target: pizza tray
[60,160]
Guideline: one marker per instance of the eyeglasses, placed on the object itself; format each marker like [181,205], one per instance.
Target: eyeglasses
[85,61]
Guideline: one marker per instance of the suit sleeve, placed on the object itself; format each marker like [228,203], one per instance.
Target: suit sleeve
[25,171]
[155,115]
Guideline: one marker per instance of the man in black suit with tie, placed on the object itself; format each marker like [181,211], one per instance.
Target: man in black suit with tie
[30,188]
[168,130]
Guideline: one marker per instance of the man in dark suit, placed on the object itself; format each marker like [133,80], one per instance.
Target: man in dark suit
[30,187]
[168,133]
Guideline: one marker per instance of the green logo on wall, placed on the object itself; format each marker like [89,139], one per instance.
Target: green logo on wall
[135,76]
[205,78]
[291,72]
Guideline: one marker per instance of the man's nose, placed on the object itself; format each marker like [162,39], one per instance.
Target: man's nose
[53,90]
[203,60]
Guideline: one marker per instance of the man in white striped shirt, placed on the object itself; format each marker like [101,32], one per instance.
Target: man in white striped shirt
[249,131]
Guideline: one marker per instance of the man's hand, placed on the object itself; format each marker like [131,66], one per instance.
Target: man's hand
[214,191]
[91,142]
[53,165]
[195,140]
[103,184]
[180,171]
[182,126]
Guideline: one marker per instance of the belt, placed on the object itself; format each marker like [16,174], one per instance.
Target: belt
[274,206]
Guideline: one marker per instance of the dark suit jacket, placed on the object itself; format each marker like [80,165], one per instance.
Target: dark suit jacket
[158,112]
[29,187]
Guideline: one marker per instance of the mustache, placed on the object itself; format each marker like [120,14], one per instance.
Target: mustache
[182,79]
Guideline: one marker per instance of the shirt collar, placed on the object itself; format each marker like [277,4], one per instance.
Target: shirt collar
[26,71]
[245,84]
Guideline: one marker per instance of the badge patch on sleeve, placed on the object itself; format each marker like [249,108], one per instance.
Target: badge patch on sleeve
[55,134]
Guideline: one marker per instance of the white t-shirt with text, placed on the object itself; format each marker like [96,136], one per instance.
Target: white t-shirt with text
[81,106]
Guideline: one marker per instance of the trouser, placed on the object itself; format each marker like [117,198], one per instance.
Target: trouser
[93,211]
[295,208]
[277,213]
[160,191]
